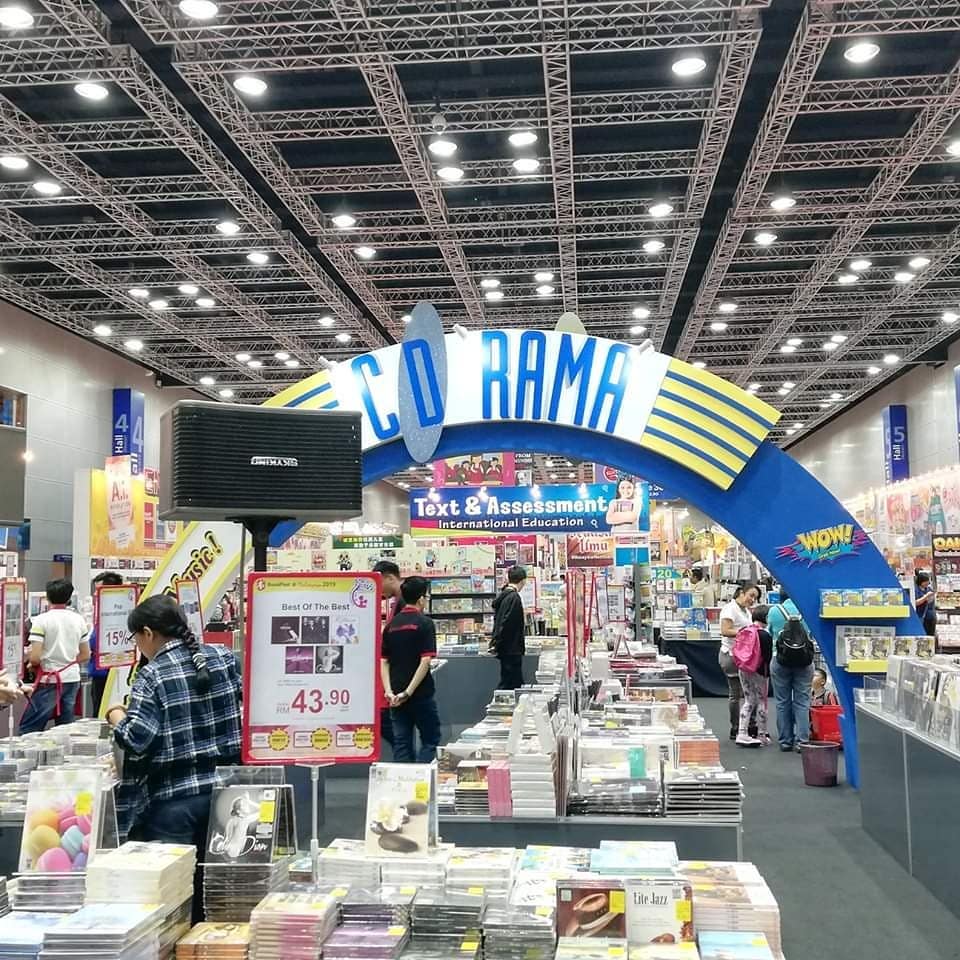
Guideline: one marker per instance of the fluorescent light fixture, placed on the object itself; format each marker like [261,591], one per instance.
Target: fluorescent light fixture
[282,355]
[839,338]
[661,209]
[522,138]
[795,342]
[830,346]
[12,161]
[255,364]
[891,359]
[242,357]
[226,394]
[727,306]
[207,381]
[451,173]
[799,425]
[344,221]
[836,396]
[198,9]
[258,257]
[141,293]
[872,371]
[786,348]
[159,304]
[189,289]
[292,363]
[228,227]
[326,321]
[637,330]
[699,364]
[950,316]
[718,326]
[653,246]
[47,187]
[249,84]
[689,66]
[526,164]
[788,384]
[91,91]
[845,279]
[783,202]
[494,295]
[406,318]
[640,313]
[782,392]
[861,51]
[543,276]
[791,431]
[133,345]
[102,330]
[489,283]
[14,17]
[918,263]
[205,303]
[860,264]
[365,253]
[343,337]
[764,238]
[545,290]
[903,276]
[754,387]
[442,146]
[953,147]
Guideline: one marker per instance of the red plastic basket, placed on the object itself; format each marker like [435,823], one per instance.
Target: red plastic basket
[825,723]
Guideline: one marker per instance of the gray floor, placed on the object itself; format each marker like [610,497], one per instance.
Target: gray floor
[840,894]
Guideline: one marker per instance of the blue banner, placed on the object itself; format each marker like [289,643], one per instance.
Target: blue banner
[619,508]
[128,426]
[956,399]
[896,452]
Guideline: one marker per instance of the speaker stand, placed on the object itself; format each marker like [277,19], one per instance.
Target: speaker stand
[260,529]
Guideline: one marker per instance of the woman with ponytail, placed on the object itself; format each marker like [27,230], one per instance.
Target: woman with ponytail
[182,721]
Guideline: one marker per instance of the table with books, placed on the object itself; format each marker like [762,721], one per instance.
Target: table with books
[908,735]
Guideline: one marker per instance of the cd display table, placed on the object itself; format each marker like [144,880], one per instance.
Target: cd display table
[701,658]
[909,786]
[11,829]
[696,839]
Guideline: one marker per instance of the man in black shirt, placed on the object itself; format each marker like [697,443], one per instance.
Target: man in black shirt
[409,644]
[508,630]
[390,588]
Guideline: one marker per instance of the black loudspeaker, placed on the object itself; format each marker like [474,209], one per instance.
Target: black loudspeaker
[222,461]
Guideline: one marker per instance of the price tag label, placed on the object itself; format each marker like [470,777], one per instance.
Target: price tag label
[684,911]
[112,605]
[13,593]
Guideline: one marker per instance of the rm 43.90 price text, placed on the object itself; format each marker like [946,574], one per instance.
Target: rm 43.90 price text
[314,701]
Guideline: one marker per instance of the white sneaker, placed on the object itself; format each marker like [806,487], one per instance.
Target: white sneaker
[744,741]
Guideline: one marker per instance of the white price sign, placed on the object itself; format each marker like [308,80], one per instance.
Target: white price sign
[188,596]
[312,689]
[13,605]
[112,605]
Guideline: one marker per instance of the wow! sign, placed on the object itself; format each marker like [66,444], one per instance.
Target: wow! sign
[825,544]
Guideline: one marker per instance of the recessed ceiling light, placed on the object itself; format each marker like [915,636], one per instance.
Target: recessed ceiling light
[845,279]
[406,318]
[699,364]
[326,321]
[141,293]
[159,304]
[14,17]
[134,345]
[198,9]
[228,227]
[903,276]
[824,404]
[836,396]
[653,246]
[839,338]
[249,84]
[640,313]
[489,283]
[205,303]
[795,342]
[718,326]
[661,209]
[949,316]
[688,66]
[798,425]
[188,289]
[522,138]
[526,164]
[788,384]
[571,475]
[47,187]
[543,276]
[755,386]
[764,238]
[344,221]
[242,357]
[258,258]
[782,392]
[953,147]
[292,363]
[545,290]
[872,371]
[451,173]
[365,253]
[226,394]
[255,364]
[12,161]
[860,264]
[343,337]
[790,432]
[91,91]
[786,348]
[890,359]
[918,263]
[783,202]
[442,146]
[282,355]
[861,51]
[553,476]
[102,330]
[727,306]
[207,381]
[494,295]
[830,345]
[637,330]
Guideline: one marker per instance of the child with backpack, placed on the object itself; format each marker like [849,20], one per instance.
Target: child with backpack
[752,653]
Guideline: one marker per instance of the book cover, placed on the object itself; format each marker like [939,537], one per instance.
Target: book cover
[401,808]
[659,911]
[243,822]
[591,908]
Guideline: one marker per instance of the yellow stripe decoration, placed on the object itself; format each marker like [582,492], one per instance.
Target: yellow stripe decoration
[712,426]
[698,441]
[687,459]
[730,390]
[289,396]
[718,408]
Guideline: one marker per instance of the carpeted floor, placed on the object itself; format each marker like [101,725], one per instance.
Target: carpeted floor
[841,895]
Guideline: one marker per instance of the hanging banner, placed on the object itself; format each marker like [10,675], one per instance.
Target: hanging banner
[590,550]
[368,541]
[119,502]
[896,452]
[311,683]
[492,469]
[112,604]
[128,427]
[946,580]
[188,596]
[13,595]
[570,508]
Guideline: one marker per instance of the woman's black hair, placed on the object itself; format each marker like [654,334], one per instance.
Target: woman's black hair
[162,614]
[922,577]
[741,590]
[822,672]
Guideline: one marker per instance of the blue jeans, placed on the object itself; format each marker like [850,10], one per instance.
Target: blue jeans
[421,714]
[43,706]
[791,687]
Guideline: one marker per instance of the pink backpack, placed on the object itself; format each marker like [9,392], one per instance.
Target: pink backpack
[746,648]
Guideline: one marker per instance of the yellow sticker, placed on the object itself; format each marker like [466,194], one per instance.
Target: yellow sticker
[618,901]
[338,892]
[278,739]
[421,791]
[759,942]
[268,811]
[321,739]
[615,951]
[408,891]
[83,805]
[697,865]
[543,911]
[611,725]
[475,891]
[397,931]
[469,945]
[684,911]
[363,738]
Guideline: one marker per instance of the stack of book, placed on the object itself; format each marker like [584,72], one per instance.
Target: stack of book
[716,945]
[665,951]
[720,871]
[231,892]
[4,898]
[484,870]
[346,862]
[471,795]
[53,892]
[735,908]
[600,948]
[448,920]
[714,793]
[514,933]
[143,873]
[428,874]
[533,785]
[383,905]
[21,933]
[498,787]
[373,941]
[291,926]
[215,941]
[627,858]
[107,931]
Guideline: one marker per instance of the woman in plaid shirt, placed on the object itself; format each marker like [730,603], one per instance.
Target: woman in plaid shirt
[182,721]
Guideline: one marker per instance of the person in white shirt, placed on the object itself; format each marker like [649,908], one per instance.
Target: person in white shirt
[733,618]
[58,646]
[703,592]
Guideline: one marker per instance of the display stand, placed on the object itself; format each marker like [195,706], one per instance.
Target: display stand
[315,806]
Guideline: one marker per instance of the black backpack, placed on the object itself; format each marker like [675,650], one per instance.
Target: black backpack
[794,645]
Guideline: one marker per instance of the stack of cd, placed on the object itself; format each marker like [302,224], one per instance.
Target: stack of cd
[590,948]
[519,933]
[715,945]
[231,891]
[373,941]
[49,892]
[215,941]
[704,793]
[737,907]
[21,934]
[107,931]
[346,862]
[598,797]
[142,873]
[465,950]
[378,905]
[291,926]
[488,870]
[447,920]
[428,873]
[4,898]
